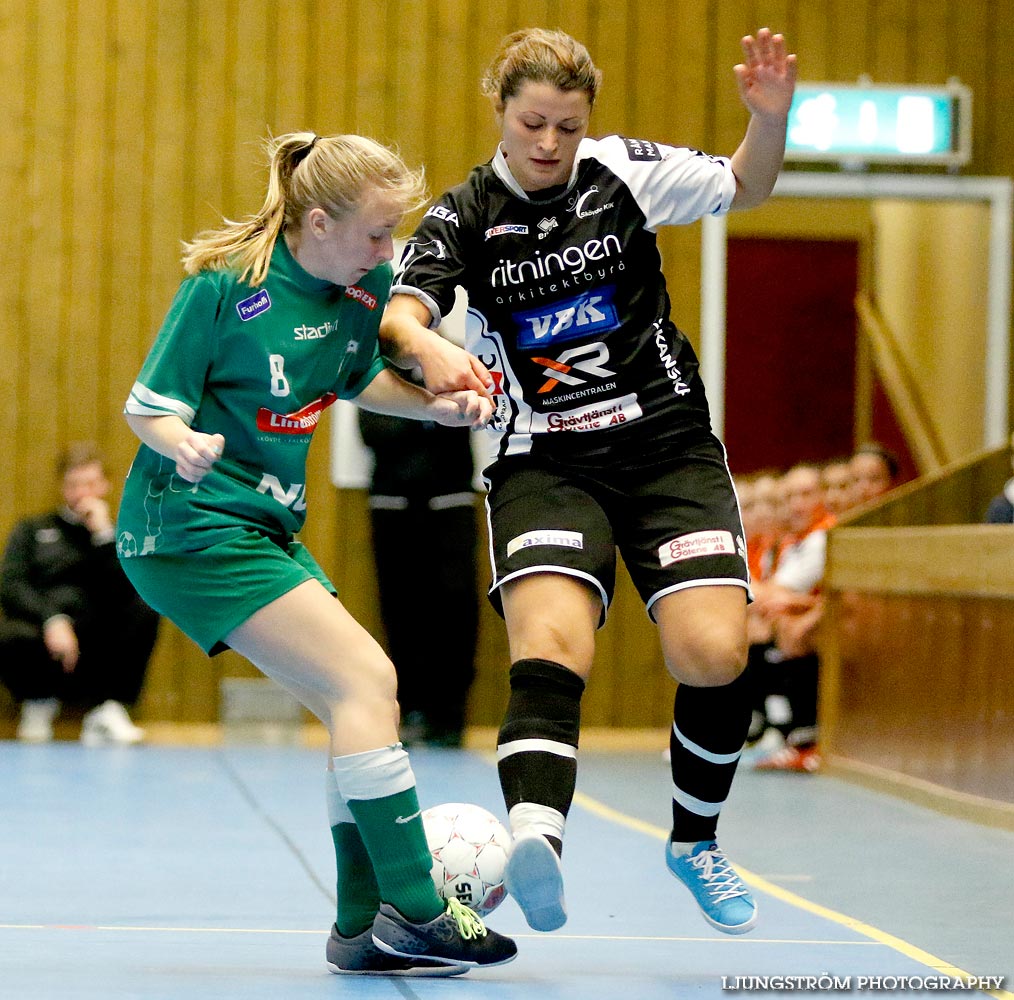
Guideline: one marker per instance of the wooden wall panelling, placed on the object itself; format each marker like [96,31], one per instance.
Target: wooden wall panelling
[17,37]
[82,204]
[847,28]
[293,87]
[971,56]
[43,230]
[118,230]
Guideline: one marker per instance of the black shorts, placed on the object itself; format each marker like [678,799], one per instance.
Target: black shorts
[676,523]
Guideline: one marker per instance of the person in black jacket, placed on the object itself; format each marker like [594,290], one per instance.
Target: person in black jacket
[73,628]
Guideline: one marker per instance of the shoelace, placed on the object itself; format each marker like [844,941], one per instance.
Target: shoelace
[723,882]
[469,924]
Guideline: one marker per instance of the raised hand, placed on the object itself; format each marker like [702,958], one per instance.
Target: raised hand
[767,75]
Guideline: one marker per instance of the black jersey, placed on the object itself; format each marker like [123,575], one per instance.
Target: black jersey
[568,306]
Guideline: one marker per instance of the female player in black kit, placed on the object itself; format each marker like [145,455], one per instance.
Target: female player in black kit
[605,436]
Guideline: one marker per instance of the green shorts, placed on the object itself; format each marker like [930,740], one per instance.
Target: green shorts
[209,592]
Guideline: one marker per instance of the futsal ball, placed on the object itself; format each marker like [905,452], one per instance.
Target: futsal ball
[469,847]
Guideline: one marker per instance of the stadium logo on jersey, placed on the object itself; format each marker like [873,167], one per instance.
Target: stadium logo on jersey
[546,226]
[695,545]
[578,204]
[563,368]
[517,230]
[254,305]
[546,536]
[439,212]
[583,316]
[361,295]
[303,421]
[641,149]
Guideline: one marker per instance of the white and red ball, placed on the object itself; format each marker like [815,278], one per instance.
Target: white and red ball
[469,847]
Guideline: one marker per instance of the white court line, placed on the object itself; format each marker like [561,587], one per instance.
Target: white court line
[534,937]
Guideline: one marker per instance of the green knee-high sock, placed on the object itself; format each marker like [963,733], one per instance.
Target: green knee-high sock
[356,884]
[379,789]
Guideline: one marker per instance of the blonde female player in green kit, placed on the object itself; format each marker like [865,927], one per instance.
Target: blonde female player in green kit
[277,318]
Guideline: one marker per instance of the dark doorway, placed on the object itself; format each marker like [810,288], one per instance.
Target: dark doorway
[790,351]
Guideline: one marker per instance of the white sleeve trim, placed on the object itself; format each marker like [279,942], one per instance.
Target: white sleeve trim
[143,402]
[681,187]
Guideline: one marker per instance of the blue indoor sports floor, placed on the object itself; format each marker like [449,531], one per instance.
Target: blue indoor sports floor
[195,873]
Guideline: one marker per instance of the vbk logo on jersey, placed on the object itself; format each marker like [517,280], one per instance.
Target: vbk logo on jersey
[642,149]
[582,316]
[254,305]
[562,369]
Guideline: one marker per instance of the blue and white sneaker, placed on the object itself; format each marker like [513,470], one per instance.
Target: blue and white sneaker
[725,902]
[534,878]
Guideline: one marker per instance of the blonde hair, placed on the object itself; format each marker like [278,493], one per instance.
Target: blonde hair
[542,56]
[306,170]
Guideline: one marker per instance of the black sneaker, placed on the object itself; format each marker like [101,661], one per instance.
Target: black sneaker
[359,956]
[457,935]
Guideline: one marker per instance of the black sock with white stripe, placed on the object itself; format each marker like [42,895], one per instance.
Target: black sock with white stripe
[710,725]
[537,747]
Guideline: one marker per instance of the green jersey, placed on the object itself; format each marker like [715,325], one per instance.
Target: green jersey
[257,365]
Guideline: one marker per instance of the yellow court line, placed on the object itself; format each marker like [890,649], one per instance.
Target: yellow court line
[909,950]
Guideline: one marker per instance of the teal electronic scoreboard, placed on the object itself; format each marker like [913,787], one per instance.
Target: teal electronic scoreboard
[855,124]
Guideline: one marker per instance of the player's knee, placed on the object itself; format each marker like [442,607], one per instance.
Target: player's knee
[549,640]
[707,661]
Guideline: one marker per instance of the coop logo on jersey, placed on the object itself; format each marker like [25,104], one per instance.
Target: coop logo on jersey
[517,230]
[303,421]
[582,316]
[440,212]
[362,296]
[642,149]
[587,359]
[695,545]
[545,536]
[254,305]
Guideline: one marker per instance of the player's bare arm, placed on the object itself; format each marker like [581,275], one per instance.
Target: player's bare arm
[766,79]
[193,452]
[388,393]
[406,339]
